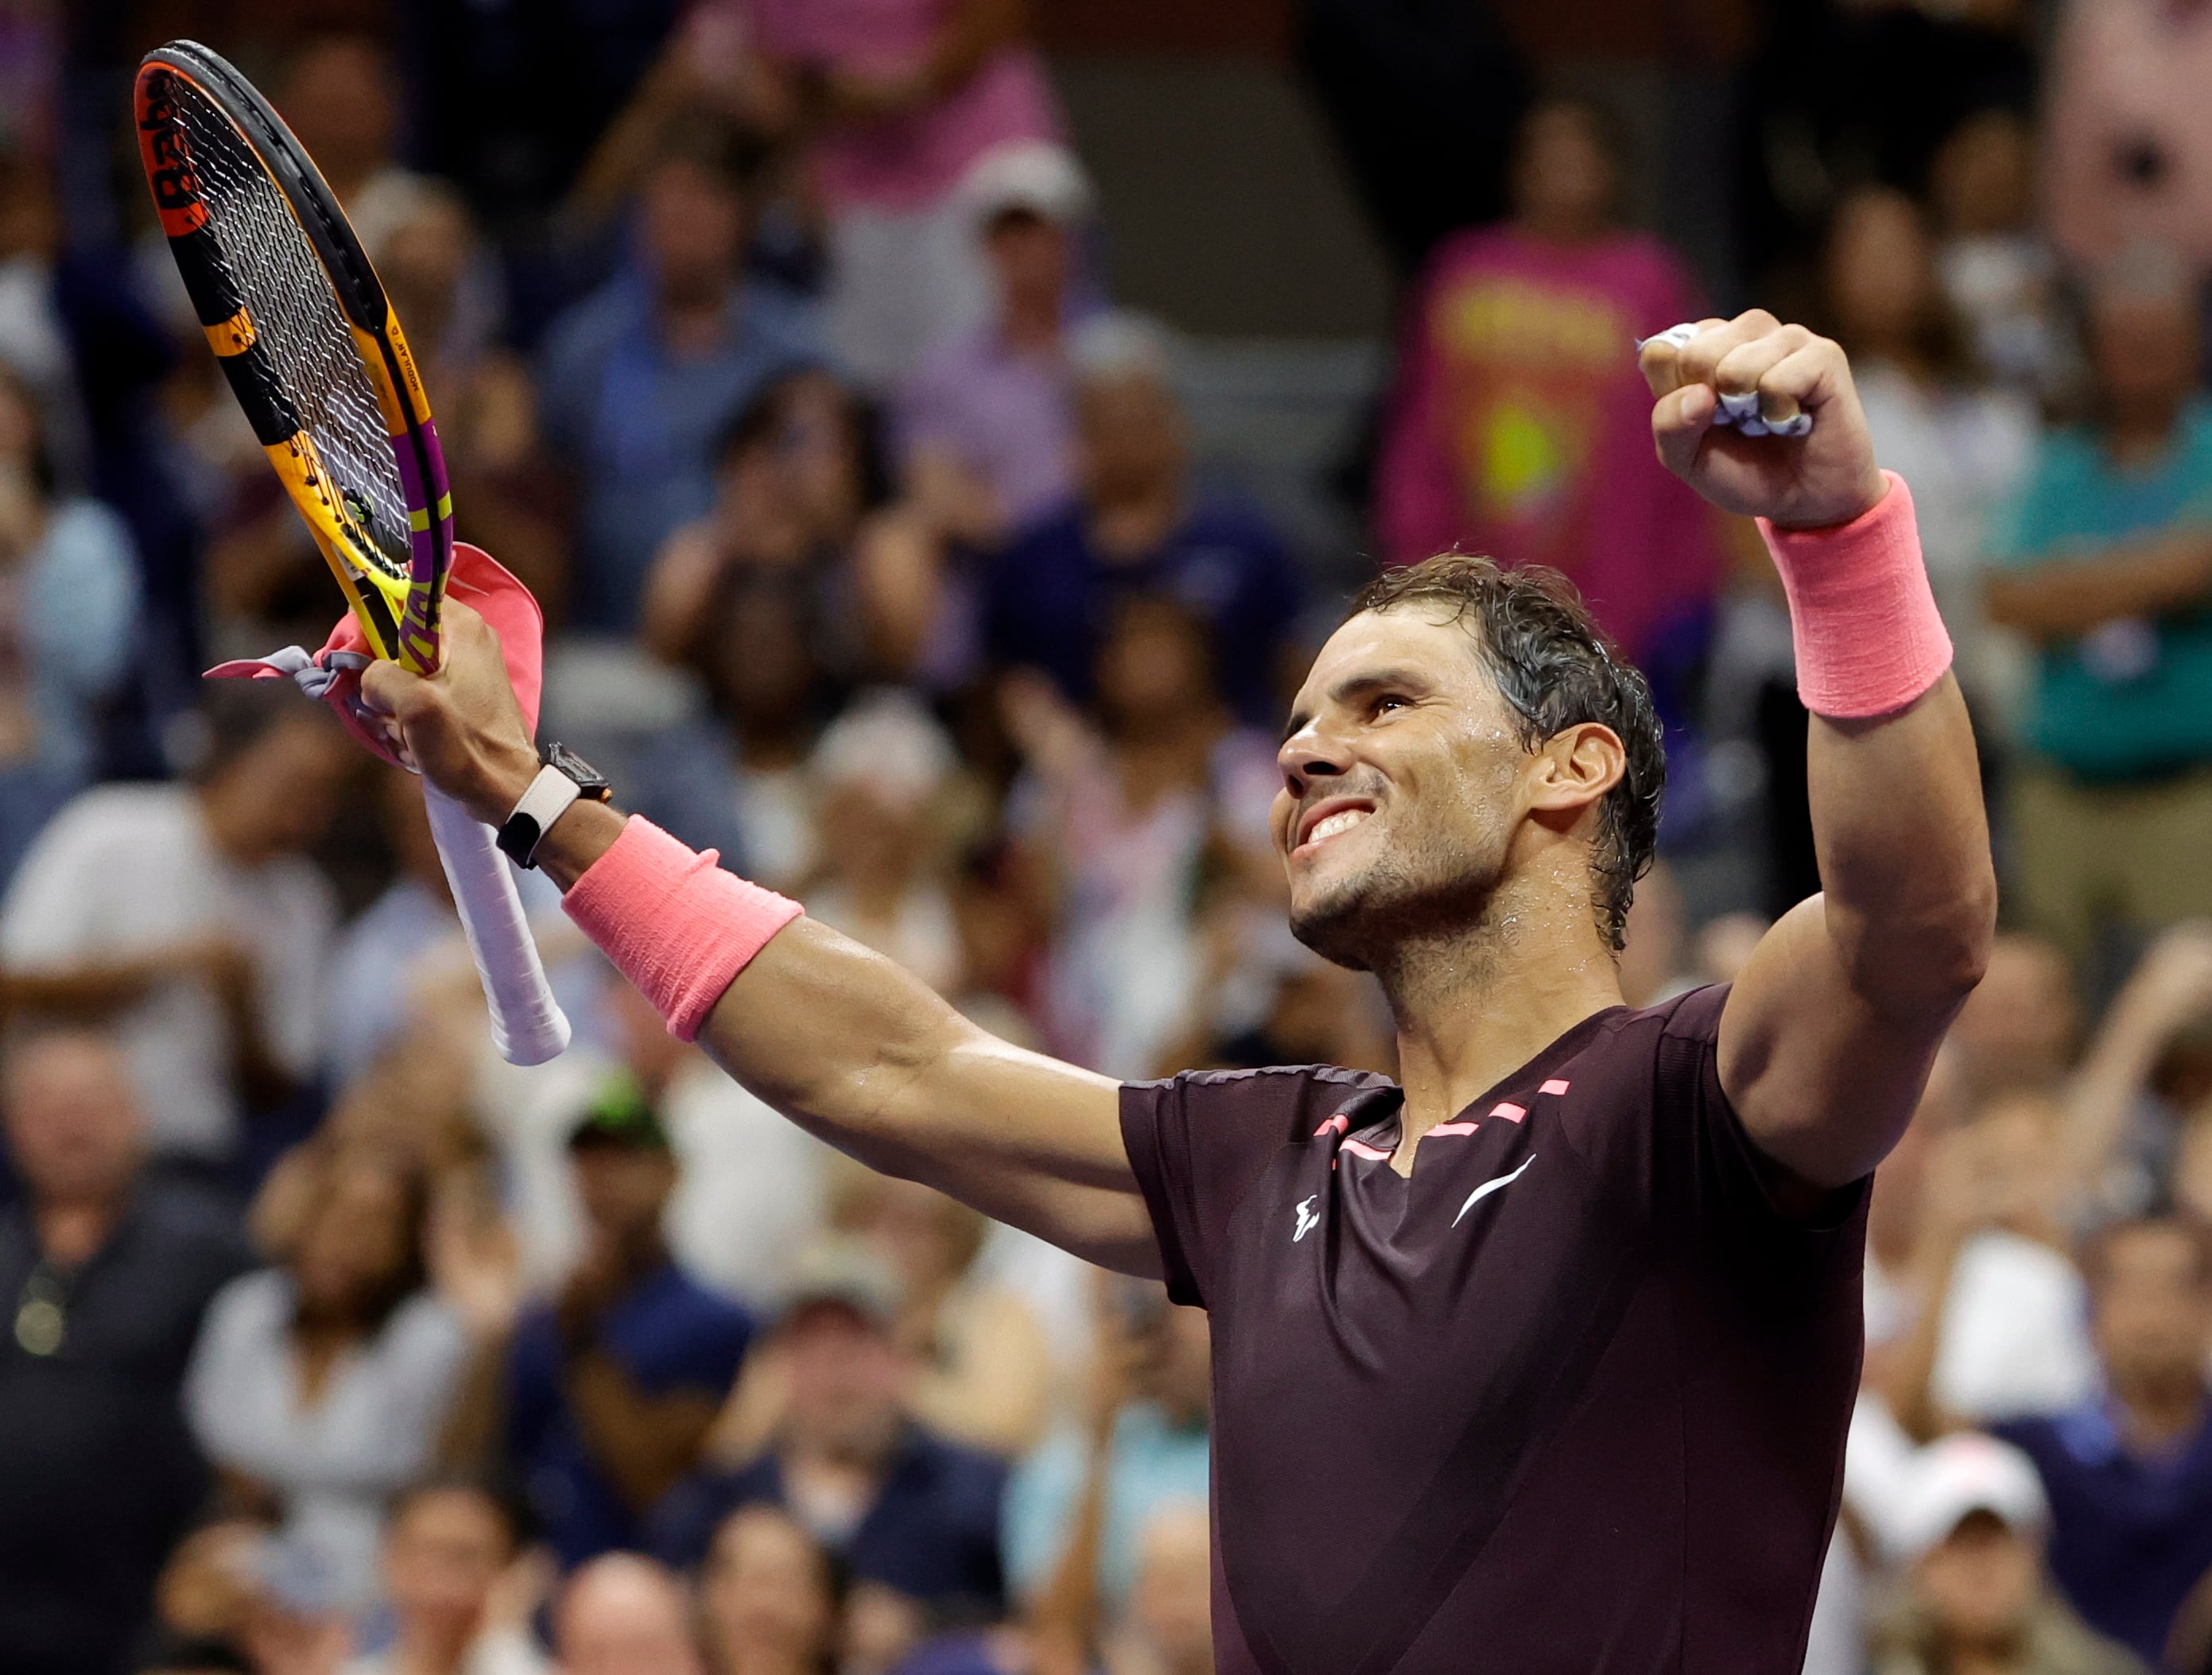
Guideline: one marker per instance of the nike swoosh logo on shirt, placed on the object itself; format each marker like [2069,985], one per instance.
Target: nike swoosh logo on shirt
[1489,1186]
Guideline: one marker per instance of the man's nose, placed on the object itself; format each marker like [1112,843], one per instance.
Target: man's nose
[1308,755]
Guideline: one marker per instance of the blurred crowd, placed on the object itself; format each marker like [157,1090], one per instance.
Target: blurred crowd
[771,344]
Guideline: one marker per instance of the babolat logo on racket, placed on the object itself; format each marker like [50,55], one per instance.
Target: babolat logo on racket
[168,164]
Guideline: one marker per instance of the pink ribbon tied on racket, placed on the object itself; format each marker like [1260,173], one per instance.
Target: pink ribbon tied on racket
[333,674]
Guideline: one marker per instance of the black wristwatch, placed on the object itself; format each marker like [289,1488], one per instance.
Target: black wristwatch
[566,778]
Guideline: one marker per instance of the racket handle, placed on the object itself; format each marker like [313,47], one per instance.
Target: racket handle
[527,1024]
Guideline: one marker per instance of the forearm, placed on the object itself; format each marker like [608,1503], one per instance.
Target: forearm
[78,991]
[2062,599]
[869,1058]
[1911,1387]
[1909,893]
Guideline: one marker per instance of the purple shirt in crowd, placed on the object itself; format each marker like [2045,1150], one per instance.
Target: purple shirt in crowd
[1008,416]
[910,162]
[1569,1400]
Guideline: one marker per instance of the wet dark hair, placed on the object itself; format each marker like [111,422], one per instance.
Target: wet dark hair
[1556,669]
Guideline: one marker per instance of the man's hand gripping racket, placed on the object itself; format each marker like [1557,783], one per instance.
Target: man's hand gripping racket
[307,339]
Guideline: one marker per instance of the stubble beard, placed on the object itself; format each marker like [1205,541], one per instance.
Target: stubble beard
[1412,901]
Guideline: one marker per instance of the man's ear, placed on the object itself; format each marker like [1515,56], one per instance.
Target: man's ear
[1574,768]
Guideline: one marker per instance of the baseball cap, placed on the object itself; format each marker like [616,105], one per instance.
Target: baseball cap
[1036,176]
[849,1273]
[1962,1474]
[619,1114]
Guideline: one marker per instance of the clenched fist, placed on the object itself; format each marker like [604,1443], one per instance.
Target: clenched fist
[1827,477]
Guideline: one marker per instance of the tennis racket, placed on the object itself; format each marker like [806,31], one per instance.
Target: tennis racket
[301,328]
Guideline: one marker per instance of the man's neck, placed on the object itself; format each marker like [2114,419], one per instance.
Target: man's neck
[1030,325]
[230,825]
[693,325]
[2155,1416]
[427,1652]
[1473,1007]
[1130,528]
[71,1231]
[2141,437]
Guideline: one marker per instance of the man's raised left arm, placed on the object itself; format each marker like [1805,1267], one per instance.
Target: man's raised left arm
[1828,1033]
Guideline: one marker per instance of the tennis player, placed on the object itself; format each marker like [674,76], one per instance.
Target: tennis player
[1538,1362]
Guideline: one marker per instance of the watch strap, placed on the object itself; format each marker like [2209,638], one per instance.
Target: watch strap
[546,801]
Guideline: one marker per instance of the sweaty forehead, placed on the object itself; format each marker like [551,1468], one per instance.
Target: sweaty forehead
[1421,640]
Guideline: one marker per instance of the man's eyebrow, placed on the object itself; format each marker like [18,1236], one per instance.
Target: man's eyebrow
[1364,684]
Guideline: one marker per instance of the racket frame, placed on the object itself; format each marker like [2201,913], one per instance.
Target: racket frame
[400,617]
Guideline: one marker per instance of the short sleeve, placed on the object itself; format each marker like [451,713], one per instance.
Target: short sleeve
[1197,1142]
[1652,1120]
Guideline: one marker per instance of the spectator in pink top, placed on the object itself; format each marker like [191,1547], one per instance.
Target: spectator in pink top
[909,95]
[1519,426]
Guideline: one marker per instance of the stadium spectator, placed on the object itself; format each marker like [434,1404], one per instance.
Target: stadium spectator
[1167,1628]
[898,1507]
[1999,1307]
[449,1548]
[2128,1471]
[909,95]
[734,779]
[189,916]
[768,1598]
[881,775]
[799,474]
[2128,136]
[1121,820]
[2105,561]
[624,1615]
[2021,1027]
[750,1184]
[987,423]
[340,93]
[1077,1509]
[613,1384]
[110,1275]
[1999,272]
[1138,527]
[1969,1525]
[1518,429]
[985,1373]
[320,1387]
[69,618]
[637,382]
[1931,410]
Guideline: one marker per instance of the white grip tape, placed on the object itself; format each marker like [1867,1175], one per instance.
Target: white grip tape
[1739,412]
[527,1024]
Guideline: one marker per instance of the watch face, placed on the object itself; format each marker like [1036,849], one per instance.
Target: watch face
[588,778]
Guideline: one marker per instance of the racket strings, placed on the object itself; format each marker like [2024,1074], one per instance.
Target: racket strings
[295,316]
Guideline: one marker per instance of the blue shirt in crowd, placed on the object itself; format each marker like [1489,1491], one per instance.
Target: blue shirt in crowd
[2131,700]
[668,1333]
[1050,597]
[2130,1536]
[931,1532]
[1154,1464]
[638,425]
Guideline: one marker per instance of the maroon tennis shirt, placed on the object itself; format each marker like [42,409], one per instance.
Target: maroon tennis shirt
[1570,1401]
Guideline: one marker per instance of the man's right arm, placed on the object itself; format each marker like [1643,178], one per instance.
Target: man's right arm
[838,1038]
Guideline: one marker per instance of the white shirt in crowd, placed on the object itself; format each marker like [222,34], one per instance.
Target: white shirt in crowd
[2015,1332]
[751,1190]
[333,1465]
[128,871]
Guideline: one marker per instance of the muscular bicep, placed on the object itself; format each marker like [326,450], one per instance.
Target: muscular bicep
[1822,1081]
[869,1058]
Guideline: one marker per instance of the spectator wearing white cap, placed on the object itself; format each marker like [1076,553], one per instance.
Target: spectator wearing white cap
[987,424]
[1968,1527]
[881,773]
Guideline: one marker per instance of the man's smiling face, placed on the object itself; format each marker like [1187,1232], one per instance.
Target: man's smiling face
[1402,772]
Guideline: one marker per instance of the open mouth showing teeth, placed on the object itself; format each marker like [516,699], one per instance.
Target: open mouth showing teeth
[1335,825]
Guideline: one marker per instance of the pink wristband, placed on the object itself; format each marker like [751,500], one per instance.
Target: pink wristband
[1869,638]
[673,922]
